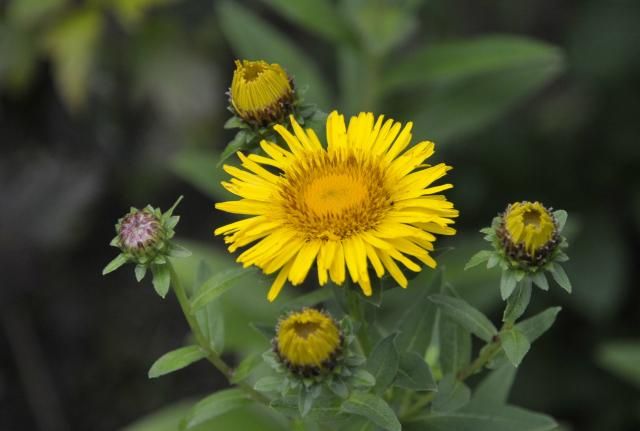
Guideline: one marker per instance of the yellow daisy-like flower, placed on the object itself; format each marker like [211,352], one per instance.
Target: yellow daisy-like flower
[530,225]
[261,92]
[308,341]
[361,200]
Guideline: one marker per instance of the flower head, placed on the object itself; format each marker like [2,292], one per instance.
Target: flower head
[261,92]
[364,199]
[308,342]
[528,232]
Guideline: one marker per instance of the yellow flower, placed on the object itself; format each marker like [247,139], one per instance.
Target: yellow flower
[529,225]
[261,92]
[308,341]
[362,199]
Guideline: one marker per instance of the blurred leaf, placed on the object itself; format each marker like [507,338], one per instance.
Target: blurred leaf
[268,384]
[130,12]
[414,373]
[457,108]
[494,388]
[253,38]
[116,263]
[533,327]
[176,360]
[382,24]
[170,418]
[316,296]
[446,62]
[318,16]
[515,345]
[71,44]
[373,408]
[467,316]
[478,258]
[242,141]
[355,92]
[494,418]
[560,276]
[218,284]
[621,358]
[215,405]
[455,346]
[161,279]
[508,283]
[383,362]
[452,395]
[198,168]
[29,12]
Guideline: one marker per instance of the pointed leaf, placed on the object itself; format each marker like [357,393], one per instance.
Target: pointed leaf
[518,302]
[508,283]
[535,326]
[414,373]
[218,284]
[116,263]
[140,272]
[246,367]
[455,345]
[467,316]
[373,408]
[561,219]
[268,384]
[540,280]
[161,279]
[478,258]
[560,276]
[215,405]
[176,360]
[494,388]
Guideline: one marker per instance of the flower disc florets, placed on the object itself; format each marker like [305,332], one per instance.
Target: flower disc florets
[308,342]
[528,233]
[261,93]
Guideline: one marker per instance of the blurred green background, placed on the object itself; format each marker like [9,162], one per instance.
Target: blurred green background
[110,103]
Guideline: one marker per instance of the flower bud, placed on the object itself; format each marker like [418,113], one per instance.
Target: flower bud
[261,93]
[140,233]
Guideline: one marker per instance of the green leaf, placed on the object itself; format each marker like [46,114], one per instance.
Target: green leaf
[494,388]
[215,405]
[467,316]
[515,345]
[116,263]
[383,362]
[176,250]
[561,219]
[253,38]
[161,279]
[241,141]
[459,60]
[455,345]
[518,302]
[478,258]
[218,284]
[310,299]
[318,16]
[373,408]
[621,358]
[508,283]
[540,280]
[176,360]
[363,378]
[246,367]
[338,387]
[560,276]
[533,327]
[305,400]
[71,44]
[457,108]
[452,395]
[414,373]
[268,384]
[140,271]
[495,418]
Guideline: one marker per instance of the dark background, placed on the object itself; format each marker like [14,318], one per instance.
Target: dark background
[114,109]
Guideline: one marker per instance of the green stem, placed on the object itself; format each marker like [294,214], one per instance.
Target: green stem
[417,407]
[212,356]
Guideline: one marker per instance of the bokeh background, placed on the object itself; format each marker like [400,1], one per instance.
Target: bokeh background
[110,103]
